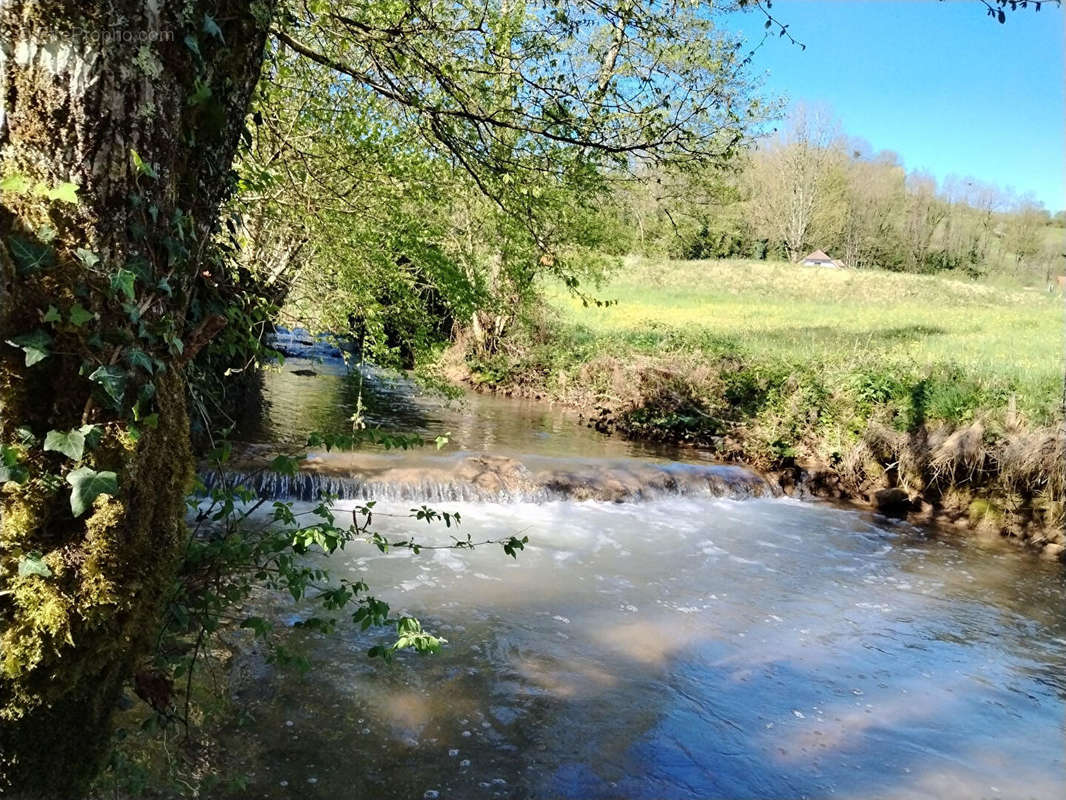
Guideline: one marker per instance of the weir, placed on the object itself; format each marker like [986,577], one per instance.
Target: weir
[485,478]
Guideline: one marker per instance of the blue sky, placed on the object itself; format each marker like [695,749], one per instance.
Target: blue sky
[947,88]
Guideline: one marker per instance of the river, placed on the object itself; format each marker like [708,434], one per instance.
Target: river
[688,644]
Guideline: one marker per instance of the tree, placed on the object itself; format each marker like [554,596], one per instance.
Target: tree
[116,138]
[791,180]
[874,194]
[923,212]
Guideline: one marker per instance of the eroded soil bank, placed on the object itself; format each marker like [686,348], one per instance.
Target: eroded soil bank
[1006,480]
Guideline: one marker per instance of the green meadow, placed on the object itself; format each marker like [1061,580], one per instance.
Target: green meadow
[978,347]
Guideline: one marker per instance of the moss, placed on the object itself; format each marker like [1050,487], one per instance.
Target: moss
[44,615]
[22,515]
[70,639]
[984,511]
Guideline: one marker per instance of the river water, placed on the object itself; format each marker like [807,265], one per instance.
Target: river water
[686,646]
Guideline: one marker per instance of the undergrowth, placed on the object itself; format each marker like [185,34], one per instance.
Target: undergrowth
[885,380]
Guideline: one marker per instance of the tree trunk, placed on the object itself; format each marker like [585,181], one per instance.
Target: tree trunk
[141,106]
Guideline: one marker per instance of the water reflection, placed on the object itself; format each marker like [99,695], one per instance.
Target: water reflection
[686,649]
[296,404]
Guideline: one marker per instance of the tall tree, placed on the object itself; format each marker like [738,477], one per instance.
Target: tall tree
[118,124]
[790,181]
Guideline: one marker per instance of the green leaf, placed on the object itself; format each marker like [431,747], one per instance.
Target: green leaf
[211,28]
[30,254]
[142,166]
[25,436]
[138,358]
[261,626]
[71,444]
[88,484]
[16,184]
[192,44]
[201,93]
[87,257]
[33,564]
[52,315]
[64,193]
[79,316]
[112,380]
[122,281]
[285,465]
[34,344]
[92,435]
[11,468]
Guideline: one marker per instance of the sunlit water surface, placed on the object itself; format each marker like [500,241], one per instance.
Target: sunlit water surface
[680,648]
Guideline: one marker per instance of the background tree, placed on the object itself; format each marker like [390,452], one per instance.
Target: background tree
[119,121]
[791,181]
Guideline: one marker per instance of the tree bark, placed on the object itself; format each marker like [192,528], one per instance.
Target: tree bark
[141,106]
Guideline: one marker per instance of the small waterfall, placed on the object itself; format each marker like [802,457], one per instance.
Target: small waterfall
[496,479]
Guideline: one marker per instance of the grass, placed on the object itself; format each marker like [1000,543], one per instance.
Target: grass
[948,389]
[986,344]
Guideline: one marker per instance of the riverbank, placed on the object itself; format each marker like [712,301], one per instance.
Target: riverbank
[921,396]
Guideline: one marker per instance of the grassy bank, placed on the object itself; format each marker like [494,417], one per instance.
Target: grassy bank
[853,382]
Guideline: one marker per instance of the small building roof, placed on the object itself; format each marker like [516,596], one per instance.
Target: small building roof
[818,255]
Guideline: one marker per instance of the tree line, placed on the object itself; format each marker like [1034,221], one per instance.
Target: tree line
[811,187]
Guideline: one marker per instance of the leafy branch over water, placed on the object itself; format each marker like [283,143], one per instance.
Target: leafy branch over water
[240,543]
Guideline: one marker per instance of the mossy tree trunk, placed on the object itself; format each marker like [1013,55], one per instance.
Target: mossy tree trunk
[140,106]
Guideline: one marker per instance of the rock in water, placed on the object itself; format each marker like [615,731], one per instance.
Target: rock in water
[892,501]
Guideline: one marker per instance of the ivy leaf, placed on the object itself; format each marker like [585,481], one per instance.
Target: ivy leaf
[29,254]
[87,257]
[136,357]
[142,166]
[11,468]
[33,564]
[88,484]
[192,44]
[25,436]
[122,281]
[112,380]
[16,184]
[79,316]
[71,444]
[201,93]
[52,315]
[64,193]
[92,435]
[34,344]
[211,28]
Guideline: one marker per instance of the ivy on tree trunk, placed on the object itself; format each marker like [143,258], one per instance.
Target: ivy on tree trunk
[118,126]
